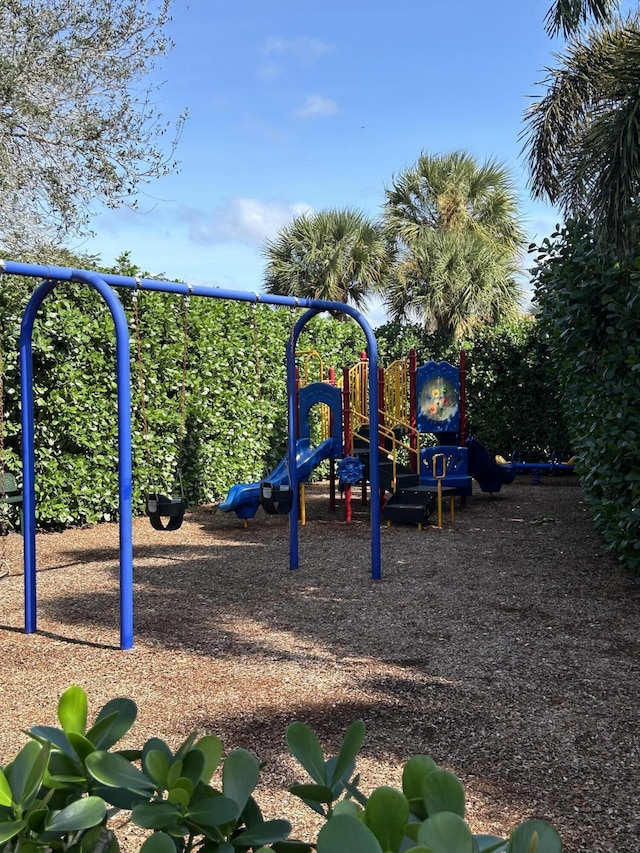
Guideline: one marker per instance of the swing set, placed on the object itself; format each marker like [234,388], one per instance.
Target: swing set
[159,506]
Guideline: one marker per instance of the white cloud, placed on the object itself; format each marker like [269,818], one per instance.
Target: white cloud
[302,52]
[305,51]
[316,105]
[240,220]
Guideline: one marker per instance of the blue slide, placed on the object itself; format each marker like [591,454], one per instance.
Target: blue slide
[489,474]
[244,498]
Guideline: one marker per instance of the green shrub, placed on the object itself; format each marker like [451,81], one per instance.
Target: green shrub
[235,416]
[61,789]
[590,304]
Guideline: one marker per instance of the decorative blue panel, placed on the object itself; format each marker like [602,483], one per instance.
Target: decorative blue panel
[438,387]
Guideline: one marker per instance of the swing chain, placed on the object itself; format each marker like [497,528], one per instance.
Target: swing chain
[141,382]
[183,386]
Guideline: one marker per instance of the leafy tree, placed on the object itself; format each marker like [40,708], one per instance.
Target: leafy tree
[339,255]
[458,231]
[77,124]
[581,137]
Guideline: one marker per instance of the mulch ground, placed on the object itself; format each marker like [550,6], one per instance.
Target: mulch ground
[506,646]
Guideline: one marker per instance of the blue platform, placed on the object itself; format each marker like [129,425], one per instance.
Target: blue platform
[456,468]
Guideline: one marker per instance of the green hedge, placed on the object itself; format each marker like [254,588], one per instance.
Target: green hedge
[235,418]
[591,306]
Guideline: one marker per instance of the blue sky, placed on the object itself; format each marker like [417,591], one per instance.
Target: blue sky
[298,106]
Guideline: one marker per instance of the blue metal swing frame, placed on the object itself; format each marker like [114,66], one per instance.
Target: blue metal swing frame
[104,284]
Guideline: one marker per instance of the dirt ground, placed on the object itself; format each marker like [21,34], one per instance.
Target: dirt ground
[505,646]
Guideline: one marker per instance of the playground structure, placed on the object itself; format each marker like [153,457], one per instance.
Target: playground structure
[555,465]
[413,404]
[106,284]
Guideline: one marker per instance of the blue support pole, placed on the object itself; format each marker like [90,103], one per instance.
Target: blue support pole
[374,458]
[124,449]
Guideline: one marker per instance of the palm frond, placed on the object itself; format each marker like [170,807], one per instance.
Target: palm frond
[582,136]
[567,16]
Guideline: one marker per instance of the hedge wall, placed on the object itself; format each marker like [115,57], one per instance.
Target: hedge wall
[235,414]
[591,307]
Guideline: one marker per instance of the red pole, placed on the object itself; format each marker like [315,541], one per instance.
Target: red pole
[463,399]
[413,408]
[346,418]
[332,463]
[346,413]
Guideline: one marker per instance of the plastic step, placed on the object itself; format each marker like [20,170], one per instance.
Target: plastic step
[402,513]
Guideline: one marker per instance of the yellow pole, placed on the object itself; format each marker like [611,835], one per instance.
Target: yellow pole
[438,471]
[303,508]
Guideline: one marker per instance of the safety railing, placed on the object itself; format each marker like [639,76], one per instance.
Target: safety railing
[388,442]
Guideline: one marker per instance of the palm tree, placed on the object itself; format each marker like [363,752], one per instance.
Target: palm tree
[459,234]
[567,16]
[338,255]
[582,137]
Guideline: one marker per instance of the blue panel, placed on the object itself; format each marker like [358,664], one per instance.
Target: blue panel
[321,392]
[438,394]
[454,465]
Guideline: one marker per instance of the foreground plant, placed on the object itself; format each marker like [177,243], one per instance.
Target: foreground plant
[427,816]
[63,787]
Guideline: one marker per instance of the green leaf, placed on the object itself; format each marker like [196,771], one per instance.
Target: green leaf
[185,746]
[156,815]
[80,814]
[265,833]
[99,837]
[291,847]
[304,746]
[350,748]
[240,774]
[56,737]
[346,834]
[5,791]
[348,807]
[26,772]
[414,773]
[114,771]
[181,792]
[317,793]
[113,722]
[211,747]
[193,765]
[156,766]
[446,832]
[215,811]
[442,791]
[11,828]
[489,843]
[386,813]
[72,710]
[175,772]
[81,744]
[159,842]
[522,837]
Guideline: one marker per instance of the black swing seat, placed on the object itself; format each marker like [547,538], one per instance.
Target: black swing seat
[161,506]
[275,499]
